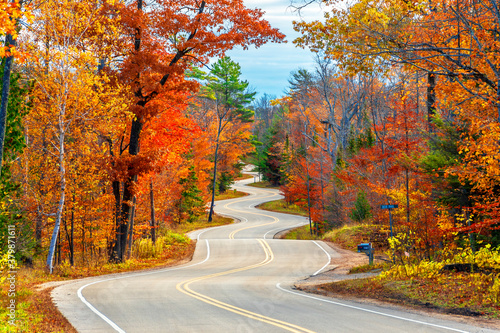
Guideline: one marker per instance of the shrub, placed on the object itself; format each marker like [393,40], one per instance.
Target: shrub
[144,248]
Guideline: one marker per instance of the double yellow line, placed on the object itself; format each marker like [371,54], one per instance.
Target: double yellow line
[185,288]
[231,235]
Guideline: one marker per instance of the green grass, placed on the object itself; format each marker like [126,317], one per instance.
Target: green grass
[263,184]
[201,223]
[300,233]
[281,206]
[244,176]
[230,195]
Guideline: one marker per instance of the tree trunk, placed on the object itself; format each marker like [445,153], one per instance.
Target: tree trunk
[431,97]
[152,202]
[62,191]
[126,206]
[322,184]
[72,238]
[131,230]
[116,185]
[219,130]
[5,96]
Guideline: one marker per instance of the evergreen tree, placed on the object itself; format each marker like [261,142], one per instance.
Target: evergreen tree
[11,213]
[232,99]
[191,203]
[444,154]
[362,209]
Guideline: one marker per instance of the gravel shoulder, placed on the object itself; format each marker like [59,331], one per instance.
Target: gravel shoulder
[340,268]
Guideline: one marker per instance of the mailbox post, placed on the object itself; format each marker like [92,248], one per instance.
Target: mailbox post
[368,250]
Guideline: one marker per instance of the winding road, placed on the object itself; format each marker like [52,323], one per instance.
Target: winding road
[240,280]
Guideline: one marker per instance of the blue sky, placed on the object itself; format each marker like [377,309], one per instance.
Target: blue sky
[268,68]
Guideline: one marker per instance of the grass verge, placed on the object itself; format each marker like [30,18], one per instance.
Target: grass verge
[263,184]
[244,176]
[348,237]
[452,294]
[300,233]
[230,195]
[281,206]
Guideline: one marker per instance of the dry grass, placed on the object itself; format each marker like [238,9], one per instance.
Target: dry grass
[348,237]
[35,311]
[457,295]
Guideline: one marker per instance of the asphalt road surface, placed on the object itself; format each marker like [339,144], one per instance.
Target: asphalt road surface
[240,280]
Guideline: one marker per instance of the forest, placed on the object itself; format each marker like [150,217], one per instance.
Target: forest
[126,118]
[113,129]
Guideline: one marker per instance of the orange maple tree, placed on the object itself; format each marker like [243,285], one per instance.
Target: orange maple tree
[168,37]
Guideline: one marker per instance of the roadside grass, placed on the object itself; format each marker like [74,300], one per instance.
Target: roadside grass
[301,233]
[230,194]
[263,184]
[349,236]
[35,311]
[201,223]
[376,267]
[244,176]
[451,293]
[281,206]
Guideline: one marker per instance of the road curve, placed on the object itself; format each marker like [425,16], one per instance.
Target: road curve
[239,280]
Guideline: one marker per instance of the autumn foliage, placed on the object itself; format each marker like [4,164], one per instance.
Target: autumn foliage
[116,142]
[402,108]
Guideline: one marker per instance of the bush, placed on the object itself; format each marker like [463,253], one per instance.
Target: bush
[144,248]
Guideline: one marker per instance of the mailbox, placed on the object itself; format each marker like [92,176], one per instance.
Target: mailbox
[367,249]
[364,247]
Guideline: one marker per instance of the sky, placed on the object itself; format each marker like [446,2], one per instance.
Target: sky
[268,68]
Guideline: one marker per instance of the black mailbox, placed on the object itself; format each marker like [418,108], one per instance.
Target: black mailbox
[367,249]
[364,247]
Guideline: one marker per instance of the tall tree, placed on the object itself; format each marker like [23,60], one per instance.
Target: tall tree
[10,187]
[9,26]
[231,101]
[168,36]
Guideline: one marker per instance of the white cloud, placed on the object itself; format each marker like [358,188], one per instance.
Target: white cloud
[268,68]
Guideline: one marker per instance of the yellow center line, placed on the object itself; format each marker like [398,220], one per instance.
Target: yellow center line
[231,235]
[184,287]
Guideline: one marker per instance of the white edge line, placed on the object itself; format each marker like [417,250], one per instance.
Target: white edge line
[106,319]
[281,228]
[370,311]
[207,229]
[329,258]
[220,226]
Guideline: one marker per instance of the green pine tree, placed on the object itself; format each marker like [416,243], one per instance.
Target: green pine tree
[362,209]
[191,203]
[11,212]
